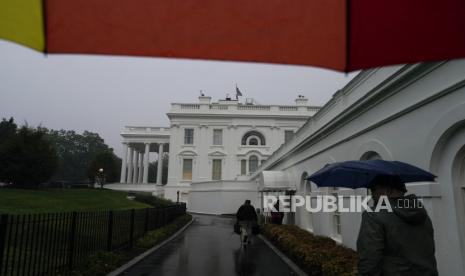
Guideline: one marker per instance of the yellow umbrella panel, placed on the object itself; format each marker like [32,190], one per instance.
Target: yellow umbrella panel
[22,21]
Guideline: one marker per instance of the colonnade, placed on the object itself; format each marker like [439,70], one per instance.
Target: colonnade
[135,166]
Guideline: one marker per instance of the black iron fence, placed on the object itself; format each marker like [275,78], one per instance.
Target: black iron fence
[53,244]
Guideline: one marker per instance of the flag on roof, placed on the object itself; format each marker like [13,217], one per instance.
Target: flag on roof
[238,92]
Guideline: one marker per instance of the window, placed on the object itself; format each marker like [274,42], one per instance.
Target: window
[189,136]
[217,137]
[187,169]
[304,216]
[337,229]
[253,163]
[243,167]
[253,141]
[288,134]
[255,134]
[337,224]
[216,169]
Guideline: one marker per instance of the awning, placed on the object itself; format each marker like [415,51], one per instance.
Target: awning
[274,181]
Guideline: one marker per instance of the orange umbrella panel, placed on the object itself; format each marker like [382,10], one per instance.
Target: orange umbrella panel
[344,35]
[274,31]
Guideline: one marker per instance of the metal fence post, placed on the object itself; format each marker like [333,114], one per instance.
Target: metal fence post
[72,238]
[131,230]
[110,231]
[165,215]
[146,225]
[3,227]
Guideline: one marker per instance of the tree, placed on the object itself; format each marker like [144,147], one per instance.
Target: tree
[76,152]
[27,159]
[7,129]
[110,164]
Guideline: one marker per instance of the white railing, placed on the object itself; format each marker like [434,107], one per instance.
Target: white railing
[145,129]
[254,107]
[288,108]
[219,107]
[190,106]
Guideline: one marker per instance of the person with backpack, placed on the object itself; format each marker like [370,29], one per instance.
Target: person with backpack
[247,219]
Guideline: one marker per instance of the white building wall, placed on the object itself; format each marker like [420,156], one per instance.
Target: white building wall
[221,197]
[414,114]
[235,120]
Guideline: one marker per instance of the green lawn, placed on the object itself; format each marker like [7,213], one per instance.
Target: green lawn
[18,201]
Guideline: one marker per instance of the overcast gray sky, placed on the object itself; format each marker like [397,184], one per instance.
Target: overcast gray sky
[104,93]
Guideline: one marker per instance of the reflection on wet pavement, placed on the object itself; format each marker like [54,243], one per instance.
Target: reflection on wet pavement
[209,247]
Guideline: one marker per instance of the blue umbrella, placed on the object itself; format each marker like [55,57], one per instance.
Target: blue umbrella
[362,174]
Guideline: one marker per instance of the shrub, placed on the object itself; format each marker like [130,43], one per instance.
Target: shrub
[316,255]
[148,198]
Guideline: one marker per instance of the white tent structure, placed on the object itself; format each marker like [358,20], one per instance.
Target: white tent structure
[275,183]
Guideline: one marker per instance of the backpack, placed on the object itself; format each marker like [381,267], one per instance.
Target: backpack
[237,228]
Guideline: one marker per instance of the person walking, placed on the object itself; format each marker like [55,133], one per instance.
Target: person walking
[247,218]
[400,242]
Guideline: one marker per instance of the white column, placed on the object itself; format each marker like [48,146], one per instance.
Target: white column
[141,167]
[160,164]
[130,164]
[146,164]
[136,166]
[124,164]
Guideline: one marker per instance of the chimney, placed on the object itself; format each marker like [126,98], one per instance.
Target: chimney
[301,101]
[204,99]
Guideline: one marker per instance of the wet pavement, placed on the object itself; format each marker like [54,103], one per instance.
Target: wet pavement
[209,247]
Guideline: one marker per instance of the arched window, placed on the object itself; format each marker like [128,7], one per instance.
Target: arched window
[253,163]
[253,141]
[304,185]
[253,136]
[371,155]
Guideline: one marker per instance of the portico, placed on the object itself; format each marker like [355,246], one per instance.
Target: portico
[138,143]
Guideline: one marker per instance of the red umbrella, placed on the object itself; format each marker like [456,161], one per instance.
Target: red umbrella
[344,35]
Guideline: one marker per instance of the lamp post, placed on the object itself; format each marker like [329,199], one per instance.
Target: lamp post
[100,177]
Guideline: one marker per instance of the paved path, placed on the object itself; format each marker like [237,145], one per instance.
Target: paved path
[209,247]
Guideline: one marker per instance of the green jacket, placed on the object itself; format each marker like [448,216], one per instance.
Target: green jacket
[397,243]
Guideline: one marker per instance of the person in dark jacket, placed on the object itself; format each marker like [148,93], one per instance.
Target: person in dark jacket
[277,217]
[247,218]
[400,242]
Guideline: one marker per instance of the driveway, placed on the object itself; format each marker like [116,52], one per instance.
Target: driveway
[209,247]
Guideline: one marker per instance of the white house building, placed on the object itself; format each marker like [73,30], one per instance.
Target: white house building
[209,142]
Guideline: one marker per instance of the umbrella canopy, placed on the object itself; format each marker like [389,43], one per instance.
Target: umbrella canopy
[361,174]
[344,35]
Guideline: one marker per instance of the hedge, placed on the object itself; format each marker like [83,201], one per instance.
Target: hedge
[316,255]
[148,198]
